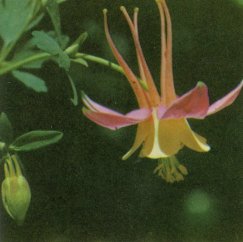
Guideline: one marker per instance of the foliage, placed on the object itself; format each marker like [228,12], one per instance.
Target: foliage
[17,19]
[32,140]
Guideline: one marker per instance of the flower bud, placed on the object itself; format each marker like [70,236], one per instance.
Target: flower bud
[16,193]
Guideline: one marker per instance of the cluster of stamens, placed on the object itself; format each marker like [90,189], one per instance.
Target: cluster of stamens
[170,169]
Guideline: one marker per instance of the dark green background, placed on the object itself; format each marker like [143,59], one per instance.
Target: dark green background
[81,190]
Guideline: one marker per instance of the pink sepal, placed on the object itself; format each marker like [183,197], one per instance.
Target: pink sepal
[225,101]
[111,119]
[193,104]
[90,104]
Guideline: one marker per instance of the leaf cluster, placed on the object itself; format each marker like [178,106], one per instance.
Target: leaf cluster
[19,18]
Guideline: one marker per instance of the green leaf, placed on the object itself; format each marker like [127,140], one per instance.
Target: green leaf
[48,44]
[63,61]
[14,18]
[35,140]
[74,47]
[53,11]
[45,42]
[64,41]
[30,80]
[81,39]
[80,61]
[6,130]
[64,38]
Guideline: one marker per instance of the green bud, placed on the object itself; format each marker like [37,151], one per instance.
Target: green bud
[16,193]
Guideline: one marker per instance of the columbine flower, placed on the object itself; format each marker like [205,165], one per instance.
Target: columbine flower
[162,117]
[16,193]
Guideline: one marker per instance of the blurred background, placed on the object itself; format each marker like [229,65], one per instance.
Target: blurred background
[81,189]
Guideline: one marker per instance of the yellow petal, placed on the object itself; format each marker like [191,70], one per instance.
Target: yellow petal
[173,134]
[140,137]
[193,140]
[151,147]
[170,136]
[147,136]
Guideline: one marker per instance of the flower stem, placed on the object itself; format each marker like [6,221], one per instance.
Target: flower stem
[7,67]
[109,64]
[10,66]
[100,61]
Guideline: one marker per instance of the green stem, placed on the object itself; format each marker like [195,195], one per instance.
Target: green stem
[110,64]
[7,67]
[74,100]
[42,56]
[15,65]
[101,61]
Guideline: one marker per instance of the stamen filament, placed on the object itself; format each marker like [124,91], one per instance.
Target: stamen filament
[170,169]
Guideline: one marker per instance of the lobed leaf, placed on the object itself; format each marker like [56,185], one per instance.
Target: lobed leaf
[45,42]
[63,61]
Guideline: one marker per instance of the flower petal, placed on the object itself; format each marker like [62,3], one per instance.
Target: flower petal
[147,136]
[136,86]
[139,114]
[151,147]
[169,136]
[115,121]
[193,140]
[90,104]
[112,119]
[173,134]
[225,101]
[193,104]
[141,134]
[143,67]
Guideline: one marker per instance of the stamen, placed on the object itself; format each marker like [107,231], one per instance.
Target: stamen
[170,169]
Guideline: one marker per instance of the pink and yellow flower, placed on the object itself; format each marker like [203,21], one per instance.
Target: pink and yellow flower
[162,116]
